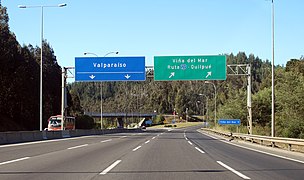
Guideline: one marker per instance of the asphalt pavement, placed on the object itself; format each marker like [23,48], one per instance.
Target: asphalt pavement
[152,154]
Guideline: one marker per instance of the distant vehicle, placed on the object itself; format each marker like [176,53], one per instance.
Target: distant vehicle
[55,123]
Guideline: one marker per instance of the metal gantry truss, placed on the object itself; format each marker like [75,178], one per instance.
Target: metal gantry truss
[232,69]
[243,70]
[67,72]
[238,69]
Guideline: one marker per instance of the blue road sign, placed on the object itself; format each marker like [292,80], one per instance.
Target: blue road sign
[229,121]
[110,69]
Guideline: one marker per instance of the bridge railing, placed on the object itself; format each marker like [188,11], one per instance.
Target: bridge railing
[280,142]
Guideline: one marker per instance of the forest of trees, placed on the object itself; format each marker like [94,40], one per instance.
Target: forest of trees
[19,91]
[19,81]
[163,97]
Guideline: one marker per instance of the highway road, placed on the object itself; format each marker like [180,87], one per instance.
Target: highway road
[153,154]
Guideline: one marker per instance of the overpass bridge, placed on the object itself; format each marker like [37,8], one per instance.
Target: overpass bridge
[121,117]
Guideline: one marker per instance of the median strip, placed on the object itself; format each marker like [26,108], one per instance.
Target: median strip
[78,146]
[110,167]
[12,161]
[232,170]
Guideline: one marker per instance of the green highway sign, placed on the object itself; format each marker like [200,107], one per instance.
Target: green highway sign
[177,68]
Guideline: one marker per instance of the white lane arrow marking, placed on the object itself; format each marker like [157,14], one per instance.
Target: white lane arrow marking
[92,76]
[172,74]
[208,74]
[127,76]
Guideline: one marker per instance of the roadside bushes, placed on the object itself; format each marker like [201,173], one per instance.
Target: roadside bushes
[170,125]
[84,122]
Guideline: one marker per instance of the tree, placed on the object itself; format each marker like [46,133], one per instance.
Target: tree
[261,108]
[295,65]
[19,81]
[289,104]
[84,122]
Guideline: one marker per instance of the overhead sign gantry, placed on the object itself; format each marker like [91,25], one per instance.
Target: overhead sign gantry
[110,69]
[170,68]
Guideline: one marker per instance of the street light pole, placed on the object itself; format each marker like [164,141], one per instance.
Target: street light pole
[112,52]
[272,81]
[41,53]
[85,53]
[206,104]
[208,82]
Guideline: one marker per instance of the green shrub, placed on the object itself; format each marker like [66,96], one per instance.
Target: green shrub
[84,122]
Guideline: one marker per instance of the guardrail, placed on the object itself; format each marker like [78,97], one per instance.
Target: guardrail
[280,142]
[29,136]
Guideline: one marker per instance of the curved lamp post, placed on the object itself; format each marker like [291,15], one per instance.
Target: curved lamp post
[112,52]
[208,82]
[86,53]
[41,53]
[206,103]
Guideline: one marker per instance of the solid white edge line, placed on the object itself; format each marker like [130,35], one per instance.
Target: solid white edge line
[232,170]
[106,140]
[147,142]
[136,148]
[42,141]
[190,142]
[110,167]
[12,161]
[259,151]
[78,146]
[199,150]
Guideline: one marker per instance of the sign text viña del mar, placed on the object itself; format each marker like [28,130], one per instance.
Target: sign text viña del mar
[170,68]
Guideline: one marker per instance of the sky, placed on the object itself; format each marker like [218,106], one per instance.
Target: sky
[161,27]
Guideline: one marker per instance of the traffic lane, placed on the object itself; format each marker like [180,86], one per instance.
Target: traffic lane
[168,156]
[79,163]
[254,164]
[15,151]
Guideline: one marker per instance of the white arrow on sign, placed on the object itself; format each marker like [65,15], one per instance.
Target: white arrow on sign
[92,76]
[127,76]
[172,74]
[208,74]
